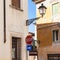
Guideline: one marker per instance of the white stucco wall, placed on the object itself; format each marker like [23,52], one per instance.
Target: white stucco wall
[15,26]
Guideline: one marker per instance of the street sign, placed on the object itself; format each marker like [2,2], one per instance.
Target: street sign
[29,47]
[29,39]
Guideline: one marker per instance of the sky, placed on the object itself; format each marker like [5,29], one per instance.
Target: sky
[31,14]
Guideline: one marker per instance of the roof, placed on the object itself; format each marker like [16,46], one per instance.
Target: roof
[31,33]
[38,1]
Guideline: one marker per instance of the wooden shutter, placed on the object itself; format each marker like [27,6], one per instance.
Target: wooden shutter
[18,49]
[16,3]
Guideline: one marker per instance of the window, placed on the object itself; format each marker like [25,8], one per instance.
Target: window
[55,35]
[16,48]
[55,9]
[53,56]
[16,3]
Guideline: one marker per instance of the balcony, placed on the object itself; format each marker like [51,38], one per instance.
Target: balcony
[38,1]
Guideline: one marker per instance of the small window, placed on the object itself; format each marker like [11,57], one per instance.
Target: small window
[16,3]
[55,9]
[55,35]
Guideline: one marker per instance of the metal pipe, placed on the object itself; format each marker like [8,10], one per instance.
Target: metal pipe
[4,10]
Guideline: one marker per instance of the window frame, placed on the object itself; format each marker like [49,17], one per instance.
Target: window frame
[52,8]
[15,4]
[53,56]
[19,9]
[55,35]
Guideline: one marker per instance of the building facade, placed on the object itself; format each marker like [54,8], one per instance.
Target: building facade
[48,31]
[48,35]
[13,29]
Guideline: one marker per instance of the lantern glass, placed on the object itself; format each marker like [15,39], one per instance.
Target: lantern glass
[42,11]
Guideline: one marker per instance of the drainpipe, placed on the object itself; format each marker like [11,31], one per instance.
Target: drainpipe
[4,10]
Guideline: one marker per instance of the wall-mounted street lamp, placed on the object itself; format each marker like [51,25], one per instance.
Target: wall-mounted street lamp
[42,11]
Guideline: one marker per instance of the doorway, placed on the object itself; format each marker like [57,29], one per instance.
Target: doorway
[16,48]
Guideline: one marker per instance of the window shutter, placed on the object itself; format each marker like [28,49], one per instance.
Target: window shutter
[57,35]
[16,3]
[53,35]
[55,9]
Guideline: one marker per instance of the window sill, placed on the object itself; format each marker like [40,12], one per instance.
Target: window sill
[16,8]
[56,42]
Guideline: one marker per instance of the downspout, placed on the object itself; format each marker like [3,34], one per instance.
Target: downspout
[4,10]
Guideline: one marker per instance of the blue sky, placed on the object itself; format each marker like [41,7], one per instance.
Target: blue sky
[31,14]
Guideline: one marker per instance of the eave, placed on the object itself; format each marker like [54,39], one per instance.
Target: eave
[45,25]
[38,1]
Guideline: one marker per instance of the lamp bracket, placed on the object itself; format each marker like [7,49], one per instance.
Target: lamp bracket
[29,21]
